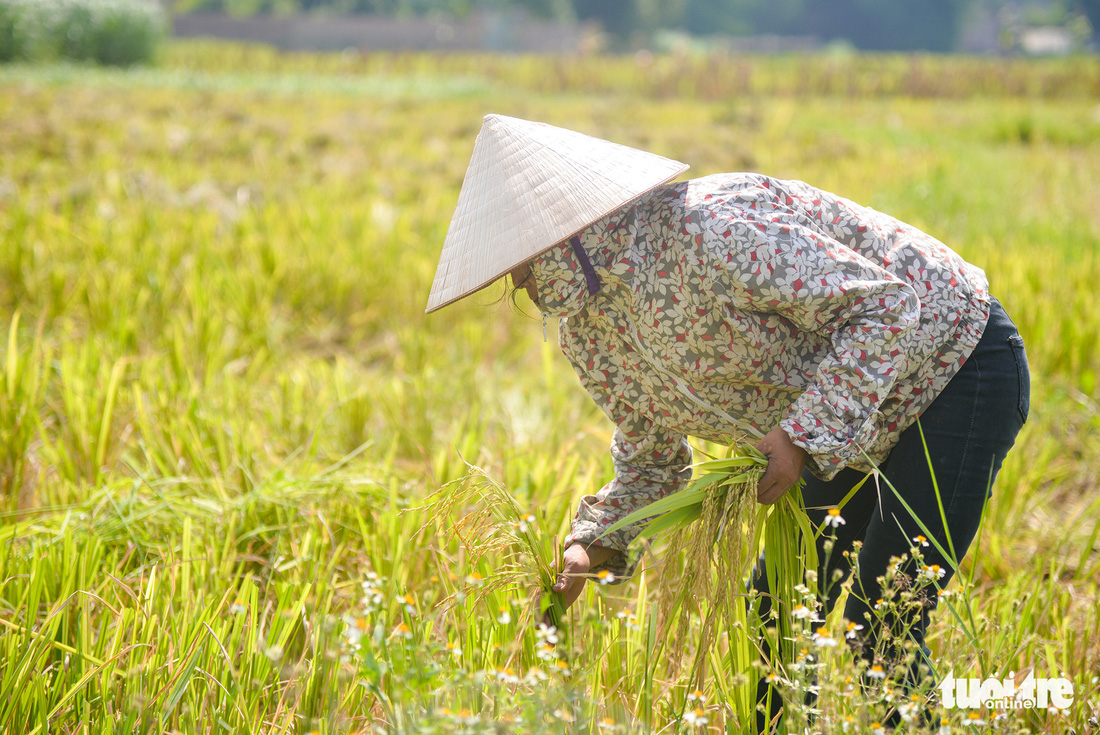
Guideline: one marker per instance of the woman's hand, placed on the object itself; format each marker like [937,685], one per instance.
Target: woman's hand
[785,463]
[576,562]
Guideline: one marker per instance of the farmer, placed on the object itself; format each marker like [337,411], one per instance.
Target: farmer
[739,305]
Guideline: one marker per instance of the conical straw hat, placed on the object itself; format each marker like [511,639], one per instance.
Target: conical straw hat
[529,187]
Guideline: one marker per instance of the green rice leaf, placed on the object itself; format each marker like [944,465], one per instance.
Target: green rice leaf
[675,501]
[707,480]
[738,479]
[715,465]
[673,520]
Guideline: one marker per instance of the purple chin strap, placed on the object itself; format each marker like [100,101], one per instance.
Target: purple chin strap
[590,277]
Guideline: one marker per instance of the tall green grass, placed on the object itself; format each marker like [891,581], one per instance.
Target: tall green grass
[221,405]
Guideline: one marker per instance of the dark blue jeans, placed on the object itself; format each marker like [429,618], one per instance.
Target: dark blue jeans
[967,431]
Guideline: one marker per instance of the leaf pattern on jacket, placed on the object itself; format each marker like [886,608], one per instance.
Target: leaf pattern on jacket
[737,302]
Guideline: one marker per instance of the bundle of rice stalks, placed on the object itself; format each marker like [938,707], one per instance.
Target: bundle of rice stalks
[719,525]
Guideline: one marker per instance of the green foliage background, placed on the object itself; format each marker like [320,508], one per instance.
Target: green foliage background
[119,32]
[898,25]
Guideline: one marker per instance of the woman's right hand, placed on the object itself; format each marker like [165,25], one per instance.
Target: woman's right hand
[576,563]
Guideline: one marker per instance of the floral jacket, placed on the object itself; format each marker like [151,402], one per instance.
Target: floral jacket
[737,302]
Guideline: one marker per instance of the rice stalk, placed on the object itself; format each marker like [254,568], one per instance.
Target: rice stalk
[21,386]
[492,524]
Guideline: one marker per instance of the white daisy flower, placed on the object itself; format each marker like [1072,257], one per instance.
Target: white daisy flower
[355,628]
[547,634]
[534,675]
[409,602]
[629,619]
[696,717]
[507,676]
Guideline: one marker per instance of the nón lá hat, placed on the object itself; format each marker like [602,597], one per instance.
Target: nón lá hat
[529,187]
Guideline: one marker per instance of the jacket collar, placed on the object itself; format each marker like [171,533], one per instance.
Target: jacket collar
[560,278]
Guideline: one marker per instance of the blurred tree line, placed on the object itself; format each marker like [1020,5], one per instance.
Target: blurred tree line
[932,25]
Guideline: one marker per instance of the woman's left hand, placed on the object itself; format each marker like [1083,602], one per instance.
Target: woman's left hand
[577,560]
[785,463]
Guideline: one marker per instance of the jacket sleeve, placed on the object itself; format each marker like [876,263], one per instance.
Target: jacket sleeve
[650,462]
[868,315]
